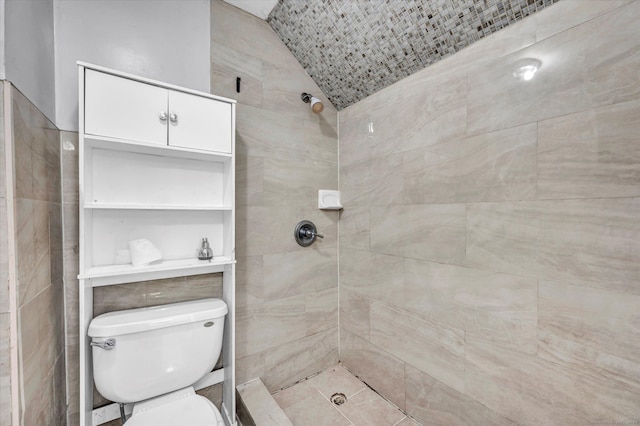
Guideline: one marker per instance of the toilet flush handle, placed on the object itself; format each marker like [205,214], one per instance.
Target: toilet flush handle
[107,345]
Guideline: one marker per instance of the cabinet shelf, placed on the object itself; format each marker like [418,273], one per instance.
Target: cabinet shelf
[115,274]
[127,145]
[186,207]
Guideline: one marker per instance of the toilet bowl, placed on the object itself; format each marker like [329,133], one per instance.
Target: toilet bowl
[152,356]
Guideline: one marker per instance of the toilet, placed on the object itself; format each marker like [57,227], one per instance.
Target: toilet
[151,357]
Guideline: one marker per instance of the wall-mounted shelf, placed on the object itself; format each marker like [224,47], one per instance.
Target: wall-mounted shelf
[156,207]
[117,274]
[156,162]
[329,200]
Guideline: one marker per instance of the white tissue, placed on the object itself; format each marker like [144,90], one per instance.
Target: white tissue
[143,252]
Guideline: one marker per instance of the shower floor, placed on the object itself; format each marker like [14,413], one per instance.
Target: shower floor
[309,403]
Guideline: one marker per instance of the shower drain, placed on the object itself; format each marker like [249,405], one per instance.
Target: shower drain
[338,398]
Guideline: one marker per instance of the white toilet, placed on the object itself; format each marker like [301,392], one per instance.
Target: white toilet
[152,356]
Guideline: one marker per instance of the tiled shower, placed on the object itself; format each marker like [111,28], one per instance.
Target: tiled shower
[489,252]
[485,268]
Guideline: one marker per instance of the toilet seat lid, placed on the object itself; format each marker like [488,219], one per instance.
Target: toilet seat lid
[190,409]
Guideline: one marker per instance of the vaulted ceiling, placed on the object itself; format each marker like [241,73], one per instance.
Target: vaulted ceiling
[353,48]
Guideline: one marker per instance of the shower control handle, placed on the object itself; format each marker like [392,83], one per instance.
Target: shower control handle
[310,234]
[107,345]
[306,233]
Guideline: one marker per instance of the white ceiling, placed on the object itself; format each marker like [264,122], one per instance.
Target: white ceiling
[259,8]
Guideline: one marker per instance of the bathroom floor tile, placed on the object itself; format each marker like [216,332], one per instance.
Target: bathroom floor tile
[337,379]
[308,402]
[295,394]
[368,408]
[317,411]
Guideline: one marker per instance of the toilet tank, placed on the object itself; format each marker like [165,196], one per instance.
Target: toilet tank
[157,349]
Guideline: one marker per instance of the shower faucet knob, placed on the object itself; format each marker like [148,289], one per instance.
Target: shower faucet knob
[306,233]
[310,234]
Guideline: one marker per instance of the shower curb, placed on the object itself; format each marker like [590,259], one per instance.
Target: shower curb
[256,406]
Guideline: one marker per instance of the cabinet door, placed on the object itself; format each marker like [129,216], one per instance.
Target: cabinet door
[199,123]
[125,109]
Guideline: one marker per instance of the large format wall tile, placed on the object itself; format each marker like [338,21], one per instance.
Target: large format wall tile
[377,368]
[434,403]
[230,64]
[249,280]
[590,65]
[269,324]
[280,189]
[591,331]
[428,232]
[494,166]
[497,308]
[568,14]
[422,118]
[5,370]
[372,182]
[592,241]
[38,257]
[435,348]
[359,131]
[355,312]
[249,180]
[590,154]
[37,152]
[300,358]
[354,228]
[321,310]
[376,275]
[284,277]
[262,230]
[534,391]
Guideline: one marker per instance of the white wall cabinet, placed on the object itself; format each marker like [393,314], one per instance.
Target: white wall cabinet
[167,178]
[128,109]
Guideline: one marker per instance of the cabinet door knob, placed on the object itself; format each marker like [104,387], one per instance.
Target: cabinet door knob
[173,117]
[163,116]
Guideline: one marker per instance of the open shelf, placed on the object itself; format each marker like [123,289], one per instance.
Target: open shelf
[106,206]
[114,274]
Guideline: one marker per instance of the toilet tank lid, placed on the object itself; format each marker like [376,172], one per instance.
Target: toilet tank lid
[145,319]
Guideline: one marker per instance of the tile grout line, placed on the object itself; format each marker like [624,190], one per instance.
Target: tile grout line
[401,420]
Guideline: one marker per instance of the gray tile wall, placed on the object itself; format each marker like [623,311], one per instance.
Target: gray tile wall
[489,245]
[287,296]
[37,244]
[5,353]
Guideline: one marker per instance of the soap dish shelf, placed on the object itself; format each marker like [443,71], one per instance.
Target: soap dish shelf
[329,200]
